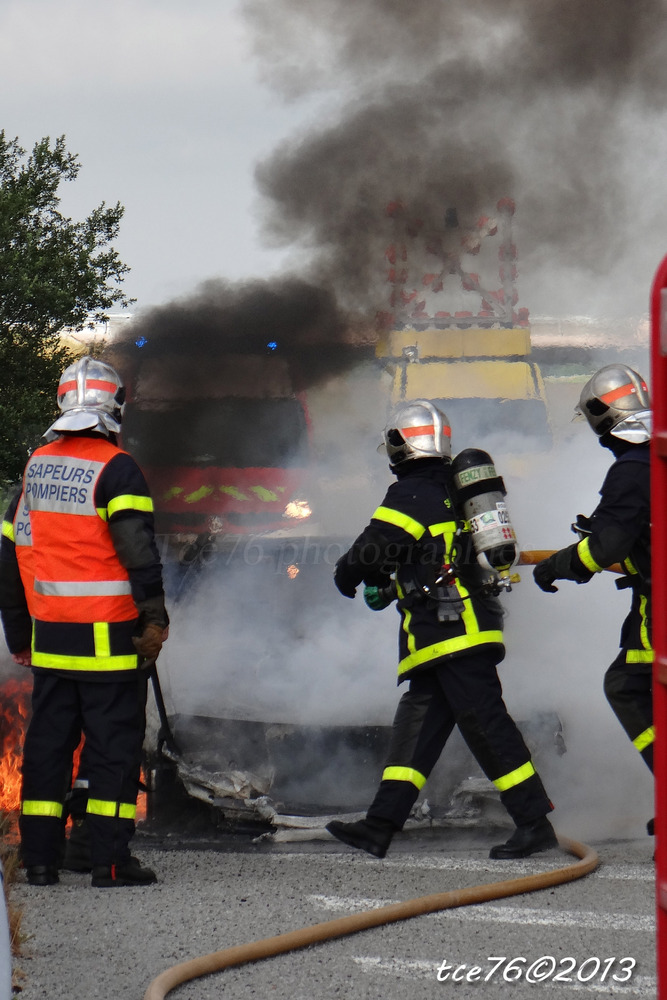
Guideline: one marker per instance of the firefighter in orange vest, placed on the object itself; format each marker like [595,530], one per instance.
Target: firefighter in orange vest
[82,603]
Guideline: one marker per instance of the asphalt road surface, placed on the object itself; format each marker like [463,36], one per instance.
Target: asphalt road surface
[594,937]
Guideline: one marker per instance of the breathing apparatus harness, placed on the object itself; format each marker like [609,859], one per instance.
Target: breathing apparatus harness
[480,495]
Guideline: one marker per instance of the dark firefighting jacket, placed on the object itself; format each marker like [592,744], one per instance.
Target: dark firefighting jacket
[418,535]
[80,573]
[620,532]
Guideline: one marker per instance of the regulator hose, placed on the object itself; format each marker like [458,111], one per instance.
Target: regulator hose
[305,936]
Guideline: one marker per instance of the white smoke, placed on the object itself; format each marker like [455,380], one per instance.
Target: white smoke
[253,644]
[260,645]
[560,645]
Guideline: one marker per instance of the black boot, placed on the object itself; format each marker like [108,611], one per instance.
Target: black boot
[529,838]
[127,873]
[77,848]
[370,834]
[42,875]
[650,827]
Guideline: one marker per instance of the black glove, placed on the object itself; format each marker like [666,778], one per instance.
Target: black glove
[544,575]
[557,567]
[346,577]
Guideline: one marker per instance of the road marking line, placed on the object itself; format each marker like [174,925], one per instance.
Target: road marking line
[399,967]
[483,912]
[627,872]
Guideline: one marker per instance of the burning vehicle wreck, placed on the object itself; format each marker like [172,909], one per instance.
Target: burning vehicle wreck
[287,781]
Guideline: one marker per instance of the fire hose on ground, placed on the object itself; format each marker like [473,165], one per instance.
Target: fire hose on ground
[253,951]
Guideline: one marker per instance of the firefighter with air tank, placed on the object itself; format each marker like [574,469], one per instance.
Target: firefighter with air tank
[615,402]
[441,545]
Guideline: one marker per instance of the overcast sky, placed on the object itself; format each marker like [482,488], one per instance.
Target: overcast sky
[171,105]
[160,100]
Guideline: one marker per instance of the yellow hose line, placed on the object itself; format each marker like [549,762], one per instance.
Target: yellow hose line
[531,557]
[305,936]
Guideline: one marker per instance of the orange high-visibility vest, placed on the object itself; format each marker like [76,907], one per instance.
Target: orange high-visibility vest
[22,538]
[77,575]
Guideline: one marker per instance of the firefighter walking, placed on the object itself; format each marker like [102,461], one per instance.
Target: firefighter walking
[615,402]
[82,603]
[418,548]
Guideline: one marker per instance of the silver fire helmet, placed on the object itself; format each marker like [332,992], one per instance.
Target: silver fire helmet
[91,396]
[417,429]
[616,401]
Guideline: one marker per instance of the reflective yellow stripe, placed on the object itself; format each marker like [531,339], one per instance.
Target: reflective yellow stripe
[456,645]
[468,615]
[130,502]
[36,808]
[101,639]
[59,661]
[8,530]
[584,553]
[639,656]
[444,528]
[643,629]
[263,494]
[200,494]
[645,739]
[399,520]
[404,774]
[172,492]
[515,777]
[233,491]
[102,807]
[407,618]
[448,530]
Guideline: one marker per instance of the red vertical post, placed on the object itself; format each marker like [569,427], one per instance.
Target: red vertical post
[659,603]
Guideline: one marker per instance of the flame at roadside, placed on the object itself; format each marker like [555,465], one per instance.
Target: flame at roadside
[14,719]
[14,716]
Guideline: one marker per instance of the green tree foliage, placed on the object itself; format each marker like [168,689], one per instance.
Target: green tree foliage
[54,274]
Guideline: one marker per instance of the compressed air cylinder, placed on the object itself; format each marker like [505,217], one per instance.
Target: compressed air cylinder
[481,496]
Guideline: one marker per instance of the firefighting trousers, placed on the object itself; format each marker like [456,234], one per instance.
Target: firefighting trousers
[629,691]
[111,716]
[465,692]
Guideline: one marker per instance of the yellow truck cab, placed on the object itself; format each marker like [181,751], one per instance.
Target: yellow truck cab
[484,378]
[475,359]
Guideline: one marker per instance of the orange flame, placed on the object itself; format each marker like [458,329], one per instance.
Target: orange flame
[14,715]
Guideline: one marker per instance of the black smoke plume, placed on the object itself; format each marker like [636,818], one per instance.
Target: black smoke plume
[439,107]
[460,103]
[289,317]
